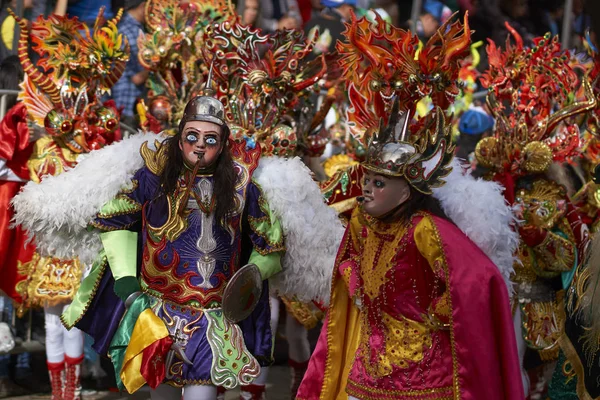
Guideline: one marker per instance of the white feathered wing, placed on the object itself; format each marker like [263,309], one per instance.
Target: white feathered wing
[57,212]
[479,209]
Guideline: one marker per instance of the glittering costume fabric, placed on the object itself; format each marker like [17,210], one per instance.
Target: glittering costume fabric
[186,260]
[406,303]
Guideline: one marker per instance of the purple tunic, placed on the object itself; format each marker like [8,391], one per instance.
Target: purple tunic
[186,260]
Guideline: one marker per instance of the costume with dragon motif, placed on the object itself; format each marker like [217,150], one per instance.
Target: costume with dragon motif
[62,115]
[525,86]
[181,273]
[576,373]
[406,301]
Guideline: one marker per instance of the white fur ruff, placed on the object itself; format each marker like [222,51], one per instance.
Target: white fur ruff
[57,210]
[313,231]
[479,209]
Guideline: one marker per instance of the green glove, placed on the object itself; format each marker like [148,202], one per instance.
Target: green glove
[126,286]
[120,247]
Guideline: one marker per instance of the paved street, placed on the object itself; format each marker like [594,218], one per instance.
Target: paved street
[278,389]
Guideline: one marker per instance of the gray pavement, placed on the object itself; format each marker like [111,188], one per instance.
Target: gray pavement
[277,389]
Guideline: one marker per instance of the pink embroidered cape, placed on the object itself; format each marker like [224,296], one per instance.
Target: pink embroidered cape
[437,326]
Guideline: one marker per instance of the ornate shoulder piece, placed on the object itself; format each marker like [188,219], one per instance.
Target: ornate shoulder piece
[155,160]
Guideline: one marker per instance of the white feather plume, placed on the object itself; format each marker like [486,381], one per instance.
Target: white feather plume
[480,210]
[313,230]
[57,210]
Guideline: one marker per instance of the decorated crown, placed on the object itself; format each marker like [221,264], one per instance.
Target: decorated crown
[525,86]
[78,67]
[422,158]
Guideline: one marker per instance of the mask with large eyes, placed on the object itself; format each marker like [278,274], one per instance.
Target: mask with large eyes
[66,131]
[107,119]
[103,124]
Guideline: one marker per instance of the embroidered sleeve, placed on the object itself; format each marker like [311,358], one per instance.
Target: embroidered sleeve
[125,210]
[265,231]
[430,246]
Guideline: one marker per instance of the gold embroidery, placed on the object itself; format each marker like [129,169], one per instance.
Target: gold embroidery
[455,378]
[48,158]
[102,267]
[108,228]
[573,357]
[50,281]
[406,340]
[367,393]
[307,314]
[191,296]
[177,219]
[543,324]
[121,205]
[442,306]
[379,249]
[134,185]
[155,160]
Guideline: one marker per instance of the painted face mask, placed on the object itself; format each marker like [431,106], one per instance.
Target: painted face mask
[202,141]
[383,194]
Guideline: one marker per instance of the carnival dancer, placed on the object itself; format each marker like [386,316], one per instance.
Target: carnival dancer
[405,288]
[64,101]
[201,218]
[577,370]
[528,137]
[405,297]
[272,79]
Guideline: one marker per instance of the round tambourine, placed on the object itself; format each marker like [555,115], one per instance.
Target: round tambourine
[242,293]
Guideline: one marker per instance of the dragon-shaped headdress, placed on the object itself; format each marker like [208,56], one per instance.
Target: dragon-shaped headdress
[78,67]
[172,52]
[531,92]
[260,78]
[387,77]
[383,61]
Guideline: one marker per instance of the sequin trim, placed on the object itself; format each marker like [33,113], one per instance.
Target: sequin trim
[367,393]
[455,376]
